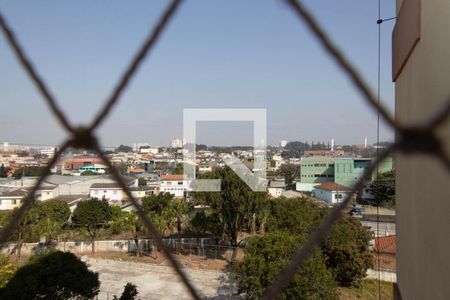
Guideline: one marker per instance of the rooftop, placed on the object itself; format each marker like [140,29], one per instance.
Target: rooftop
[172,177]
[112,185]
[386,244]
[331,186]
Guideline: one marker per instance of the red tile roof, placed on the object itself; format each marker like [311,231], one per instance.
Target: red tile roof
[137,170]
[331,186]
[386,244]
[172,177]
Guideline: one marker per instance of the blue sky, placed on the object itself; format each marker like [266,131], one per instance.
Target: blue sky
[250,54]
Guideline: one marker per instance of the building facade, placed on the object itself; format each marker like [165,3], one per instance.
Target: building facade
[421,71]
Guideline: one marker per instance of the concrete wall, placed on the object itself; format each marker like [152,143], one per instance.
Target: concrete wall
[422,183]
[383,275]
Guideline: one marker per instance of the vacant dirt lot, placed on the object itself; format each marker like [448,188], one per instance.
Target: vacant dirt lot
[155,281]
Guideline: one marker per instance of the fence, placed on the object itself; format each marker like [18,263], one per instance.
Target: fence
[199,247]
[415,139]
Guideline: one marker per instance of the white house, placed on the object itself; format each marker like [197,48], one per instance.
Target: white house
[276,188]
[331,192]
[110,191]
[177,185]
[12,199]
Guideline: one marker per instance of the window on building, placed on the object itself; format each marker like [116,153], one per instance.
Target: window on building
[13,201]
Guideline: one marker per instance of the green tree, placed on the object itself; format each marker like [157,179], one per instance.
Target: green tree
[56,210]
[7,270]
[50,216]
[295,149]
[58,275]
[4,171]
[142,182]
[233,206]
[178,210]
[178,169]
[289,172]
[166,211]
[346,248]
[347,251]
[124,148]
[129,292]
[298,215]
[265,257]
[92,215]
[127,222]
[384,189]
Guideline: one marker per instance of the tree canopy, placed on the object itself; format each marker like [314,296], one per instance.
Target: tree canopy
[265,257]
[58,275]
[233,207]
[383,188]
[92,215]
[289,172]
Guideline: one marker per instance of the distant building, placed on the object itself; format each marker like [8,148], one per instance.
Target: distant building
[49,152]
[315,170]
[204,168]
[348,170]
[176,185]
[12,199]
[345,171]
[74,164]
[95,168]
[283,143]
[330,192]
[112,192]
[177,143]
[276,188]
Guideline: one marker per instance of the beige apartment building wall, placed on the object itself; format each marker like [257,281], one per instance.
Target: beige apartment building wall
[422,182]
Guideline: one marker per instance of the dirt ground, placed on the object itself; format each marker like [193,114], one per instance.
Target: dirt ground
[157,281]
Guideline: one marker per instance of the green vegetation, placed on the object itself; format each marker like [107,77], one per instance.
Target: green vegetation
[28,171]
[266,256]
[142,182]
[342,259]
[129,292]
[233,209]
[384,189]
[7,270]
[289,172]
[124,148]
[92,215]
[57,275]
[367,290]
[3,171]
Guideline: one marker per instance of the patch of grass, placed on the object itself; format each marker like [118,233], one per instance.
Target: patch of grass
[368,290]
